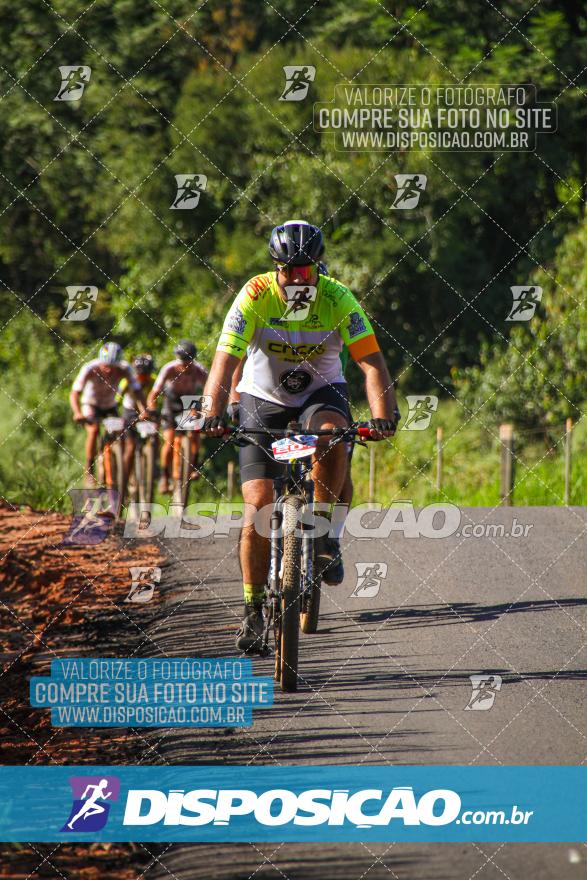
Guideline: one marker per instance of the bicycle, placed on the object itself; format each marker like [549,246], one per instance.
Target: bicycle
[142,476]
[182,468]
[110,461]
[292,594]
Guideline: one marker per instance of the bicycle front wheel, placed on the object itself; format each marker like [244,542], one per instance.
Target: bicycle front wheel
[111,472]
[118,475]
[181,470]
[147,471]
[290,593]
[311,609]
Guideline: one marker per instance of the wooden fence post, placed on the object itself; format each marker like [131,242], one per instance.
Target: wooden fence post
[568,458]
[506,438]
[439,458]
[372,472]
[230,480]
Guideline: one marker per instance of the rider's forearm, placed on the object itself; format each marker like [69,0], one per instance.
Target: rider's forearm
[74,403]
[234,395]
[152,399]
[378,386]
[219,382]
[139,400]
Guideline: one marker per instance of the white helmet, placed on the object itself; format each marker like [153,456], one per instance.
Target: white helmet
[110,353]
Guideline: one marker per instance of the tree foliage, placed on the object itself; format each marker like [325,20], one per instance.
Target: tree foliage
[538,378]
[86,188]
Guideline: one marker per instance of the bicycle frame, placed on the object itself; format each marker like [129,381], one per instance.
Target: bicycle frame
[292,577]
[296,481]
[107,438]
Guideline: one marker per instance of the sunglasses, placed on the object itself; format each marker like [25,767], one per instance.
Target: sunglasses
[305,273]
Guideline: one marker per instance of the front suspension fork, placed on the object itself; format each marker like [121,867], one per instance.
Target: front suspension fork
[308,542]
[272,593]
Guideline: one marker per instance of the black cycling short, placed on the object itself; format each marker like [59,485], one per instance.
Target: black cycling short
[170,409]
[131,418]
[94,414]
[254,412]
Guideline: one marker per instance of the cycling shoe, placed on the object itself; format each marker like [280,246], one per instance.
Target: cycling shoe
[329,559]
[249,637]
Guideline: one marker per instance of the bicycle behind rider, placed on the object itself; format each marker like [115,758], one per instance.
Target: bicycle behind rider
[144,373]
[184,376]
[292,323]
[93,397]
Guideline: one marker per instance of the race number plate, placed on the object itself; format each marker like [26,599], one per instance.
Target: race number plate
[299,446]
[113,424]
[146,429]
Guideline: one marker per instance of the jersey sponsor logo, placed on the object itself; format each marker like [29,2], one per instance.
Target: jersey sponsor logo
[295,381]
[256,286]
[314,321]
[298,352]
[235,321]
[232,346]
[331,290]
[356,325]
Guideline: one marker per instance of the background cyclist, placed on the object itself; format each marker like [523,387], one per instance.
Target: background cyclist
[93,397]
[181,377]
[144,373]
[293,371]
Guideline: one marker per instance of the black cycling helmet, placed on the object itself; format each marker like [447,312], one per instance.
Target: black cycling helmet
[143,363]
[296,243]
[185,350]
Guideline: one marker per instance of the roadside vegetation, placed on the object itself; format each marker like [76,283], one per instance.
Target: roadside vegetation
[86,191]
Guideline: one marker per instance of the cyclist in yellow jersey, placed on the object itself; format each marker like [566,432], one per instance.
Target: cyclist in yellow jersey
[292,323]
[334,574]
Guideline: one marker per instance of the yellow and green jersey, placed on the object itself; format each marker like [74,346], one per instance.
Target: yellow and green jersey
[123,395]
[293,347]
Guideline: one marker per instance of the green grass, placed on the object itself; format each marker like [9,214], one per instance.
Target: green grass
[406,467]
[38,461]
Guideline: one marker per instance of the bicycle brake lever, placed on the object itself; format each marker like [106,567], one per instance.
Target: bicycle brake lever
[293,428]
[238,439]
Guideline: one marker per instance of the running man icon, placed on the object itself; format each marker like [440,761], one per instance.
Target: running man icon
[525,300]
[74,79]
[93,518]
[90,807]
[299,300]
[297,82]
[421,409]
[89,811]
[189,189]
[485,687]
[409,189]
[81,298]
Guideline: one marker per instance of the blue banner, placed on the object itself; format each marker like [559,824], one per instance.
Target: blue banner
[151,692]
[283,804]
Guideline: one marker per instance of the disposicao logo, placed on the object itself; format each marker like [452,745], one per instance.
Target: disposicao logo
[281,806]
[92,796]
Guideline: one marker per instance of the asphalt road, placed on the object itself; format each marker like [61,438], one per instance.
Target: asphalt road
[387,678]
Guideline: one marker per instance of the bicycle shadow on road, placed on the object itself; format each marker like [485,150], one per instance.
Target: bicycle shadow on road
[462,612]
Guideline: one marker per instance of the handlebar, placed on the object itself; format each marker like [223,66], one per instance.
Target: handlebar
[356,432]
